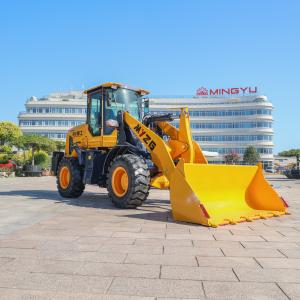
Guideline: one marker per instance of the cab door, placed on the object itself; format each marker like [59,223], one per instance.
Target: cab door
[110,111]
[95,120]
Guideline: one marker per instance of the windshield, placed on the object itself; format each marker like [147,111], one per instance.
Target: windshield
[126,100]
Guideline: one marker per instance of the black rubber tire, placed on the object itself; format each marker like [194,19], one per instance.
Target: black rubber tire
[76,186]
[138,181]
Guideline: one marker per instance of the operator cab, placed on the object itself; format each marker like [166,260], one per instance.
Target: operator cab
[104,102]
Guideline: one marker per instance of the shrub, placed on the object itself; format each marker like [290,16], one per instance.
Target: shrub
[19,159]
[5,149]
[4,158]
[41,159]
[231,158]
[6,169]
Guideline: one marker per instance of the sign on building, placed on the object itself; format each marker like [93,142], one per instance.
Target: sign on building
[204,92]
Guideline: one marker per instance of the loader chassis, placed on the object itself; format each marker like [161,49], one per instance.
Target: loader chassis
[126,150]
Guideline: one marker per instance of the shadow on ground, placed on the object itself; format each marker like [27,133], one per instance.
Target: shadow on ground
[147,211]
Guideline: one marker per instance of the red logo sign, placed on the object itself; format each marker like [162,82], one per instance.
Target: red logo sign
[229,91]
[202,92]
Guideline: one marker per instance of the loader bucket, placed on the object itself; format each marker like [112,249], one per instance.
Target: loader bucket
[215,195]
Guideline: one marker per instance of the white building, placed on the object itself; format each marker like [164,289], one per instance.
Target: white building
[219,124]
[53,115]
[225,125]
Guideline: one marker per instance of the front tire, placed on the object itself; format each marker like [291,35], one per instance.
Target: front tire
[69,178]
[128,181]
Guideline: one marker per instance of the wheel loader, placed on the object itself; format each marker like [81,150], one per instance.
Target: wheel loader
[127,150]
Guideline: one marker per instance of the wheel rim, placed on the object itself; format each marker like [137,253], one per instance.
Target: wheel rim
[119,181]
[64,177]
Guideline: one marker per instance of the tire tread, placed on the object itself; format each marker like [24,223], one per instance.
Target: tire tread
[76,186]
[140,179]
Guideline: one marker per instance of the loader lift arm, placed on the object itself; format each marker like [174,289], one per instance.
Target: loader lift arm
[158,149]
[180,144]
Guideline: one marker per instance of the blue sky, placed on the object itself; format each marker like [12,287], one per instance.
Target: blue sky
[168,47]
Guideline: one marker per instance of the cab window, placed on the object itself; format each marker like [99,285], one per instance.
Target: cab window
[95,114]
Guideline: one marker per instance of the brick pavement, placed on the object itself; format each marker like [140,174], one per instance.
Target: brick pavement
[53,248]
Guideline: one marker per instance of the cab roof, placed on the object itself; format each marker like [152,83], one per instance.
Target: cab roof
[117,85]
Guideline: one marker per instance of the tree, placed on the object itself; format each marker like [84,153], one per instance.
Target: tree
[9,133]
[60,145]
[36,143]
[231,158]
[291,152]
[251,156]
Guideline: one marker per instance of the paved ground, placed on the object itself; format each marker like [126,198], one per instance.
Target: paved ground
[52,248]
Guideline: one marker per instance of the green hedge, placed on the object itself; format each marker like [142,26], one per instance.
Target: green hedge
[4,158]
[41,159]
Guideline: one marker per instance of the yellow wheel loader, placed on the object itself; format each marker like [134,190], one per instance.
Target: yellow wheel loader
[125,149]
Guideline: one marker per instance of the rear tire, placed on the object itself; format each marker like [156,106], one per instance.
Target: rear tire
[69,178]
[135,178]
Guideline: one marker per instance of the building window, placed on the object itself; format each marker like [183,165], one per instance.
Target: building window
[56,110]
[219,113]
[240,151]
[51,123]
[232,138]
[228,125]
[51,135]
